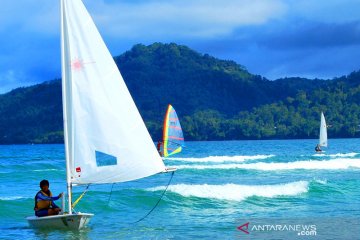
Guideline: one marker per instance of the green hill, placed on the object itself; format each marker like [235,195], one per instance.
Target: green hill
[32,114]
[215,100]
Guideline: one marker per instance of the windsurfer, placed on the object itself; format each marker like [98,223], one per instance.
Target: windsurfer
[158,146]
[317,148]
[44,201]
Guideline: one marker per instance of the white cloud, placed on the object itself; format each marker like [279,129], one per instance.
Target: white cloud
[29,15]
[328,11]
[178,18]
[29,43]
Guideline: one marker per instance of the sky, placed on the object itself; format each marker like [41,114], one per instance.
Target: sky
[271,38]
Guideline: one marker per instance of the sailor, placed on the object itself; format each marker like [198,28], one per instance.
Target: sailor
[317,148]
[158,146]
[44,201]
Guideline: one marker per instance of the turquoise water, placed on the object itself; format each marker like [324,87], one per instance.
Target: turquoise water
[218,187]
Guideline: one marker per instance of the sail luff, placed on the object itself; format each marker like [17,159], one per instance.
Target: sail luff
[65,105]
[165,130]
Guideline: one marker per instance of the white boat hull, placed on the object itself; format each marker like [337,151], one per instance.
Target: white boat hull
[63,221]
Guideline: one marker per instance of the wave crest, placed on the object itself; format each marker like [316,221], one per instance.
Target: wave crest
[335,164]
[220,159]
[236,192]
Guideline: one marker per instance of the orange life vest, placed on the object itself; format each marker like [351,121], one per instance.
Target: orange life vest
[43,204]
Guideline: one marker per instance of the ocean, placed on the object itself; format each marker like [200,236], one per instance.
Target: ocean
[273,189]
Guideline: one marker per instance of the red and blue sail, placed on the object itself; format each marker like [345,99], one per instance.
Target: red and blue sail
[173,138]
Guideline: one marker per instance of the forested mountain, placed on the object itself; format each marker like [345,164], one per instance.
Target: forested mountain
[215,100]
[32,114]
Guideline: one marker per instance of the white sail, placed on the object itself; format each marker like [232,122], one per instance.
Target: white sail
[323,132]
[107,140]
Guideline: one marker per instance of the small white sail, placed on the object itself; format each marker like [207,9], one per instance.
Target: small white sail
[323,132]
[106,137]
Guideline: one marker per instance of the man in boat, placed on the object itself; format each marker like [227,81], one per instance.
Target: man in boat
[44,201]
[317,148]
[158,146]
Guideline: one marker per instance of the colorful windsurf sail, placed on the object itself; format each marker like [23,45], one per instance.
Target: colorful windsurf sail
[173,138]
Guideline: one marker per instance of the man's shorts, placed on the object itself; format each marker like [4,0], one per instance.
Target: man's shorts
[42,212]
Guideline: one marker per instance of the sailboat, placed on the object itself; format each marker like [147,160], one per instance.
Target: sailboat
[173,138]
[323,141]
[103,129]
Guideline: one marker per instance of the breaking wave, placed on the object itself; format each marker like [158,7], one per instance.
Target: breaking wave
[12,198]
[235,192]
[353,154]
[221,159]
[341,163]
[45,170]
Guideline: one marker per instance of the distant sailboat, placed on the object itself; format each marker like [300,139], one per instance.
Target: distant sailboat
[323,141]
[173,138]
[103,130]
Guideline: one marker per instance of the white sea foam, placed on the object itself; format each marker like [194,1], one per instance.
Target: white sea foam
[321,181]
[12,198]
[46,170]
[334,164]
[236,192]
[221,159]
[352,154]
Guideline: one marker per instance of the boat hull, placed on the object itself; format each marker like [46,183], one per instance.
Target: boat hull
[64,221]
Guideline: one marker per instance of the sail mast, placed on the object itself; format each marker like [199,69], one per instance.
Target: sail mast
[65,107]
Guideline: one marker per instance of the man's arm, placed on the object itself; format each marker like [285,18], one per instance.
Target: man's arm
[41,196]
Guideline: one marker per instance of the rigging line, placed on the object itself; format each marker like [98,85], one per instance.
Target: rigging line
[172,174]
[79,198]
[110,193]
